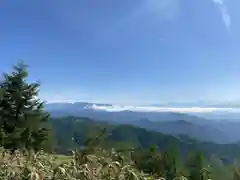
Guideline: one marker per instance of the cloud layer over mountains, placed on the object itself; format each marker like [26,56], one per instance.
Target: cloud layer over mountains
[118,108]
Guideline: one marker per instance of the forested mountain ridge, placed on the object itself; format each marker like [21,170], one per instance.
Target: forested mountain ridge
[132,136]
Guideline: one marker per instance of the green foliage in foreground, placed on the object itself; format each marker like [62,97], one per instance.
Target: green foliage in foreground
[97,164]
[82,165]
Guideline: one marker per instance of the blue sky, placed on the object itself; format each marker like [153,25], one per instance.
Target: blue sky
[125,51]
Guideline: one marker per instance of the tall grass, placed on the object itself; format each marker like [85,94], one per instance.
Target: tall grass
[101,165]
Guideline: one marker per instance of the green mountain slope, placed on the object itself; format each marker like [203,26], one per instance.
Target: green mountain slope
[126,136]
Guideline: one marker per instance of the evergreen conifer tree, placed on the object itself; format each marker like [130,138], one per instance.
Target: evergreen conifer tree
[24,124]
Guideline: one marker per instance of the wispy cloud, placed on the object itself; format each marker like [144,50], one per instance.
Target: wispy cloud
[225,15]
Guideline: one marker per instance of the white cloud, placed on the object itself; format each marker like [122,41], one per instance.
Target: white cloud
[118,108]
[225,15]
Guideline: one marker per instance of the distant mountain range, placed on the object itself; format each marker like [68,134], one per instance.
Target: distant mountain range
[128,136]
[226,104]
[174,123]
